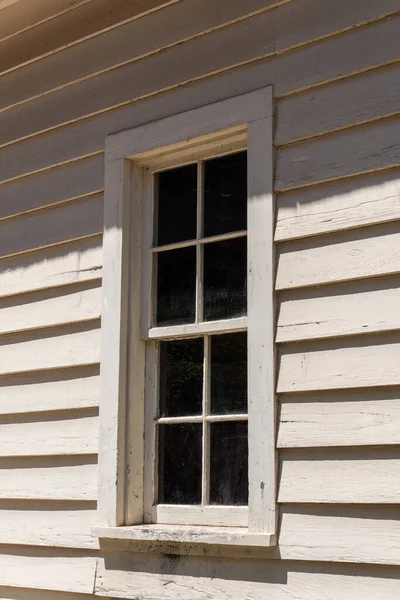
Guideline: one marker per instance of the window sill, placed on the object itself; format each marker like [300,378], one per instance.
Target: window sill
[192,537]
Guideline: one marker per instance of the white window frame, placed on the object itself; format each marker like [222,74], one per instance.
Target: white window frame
[124,494]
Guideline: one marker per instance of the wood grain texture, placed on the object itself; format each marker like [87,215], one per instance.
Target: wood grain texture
[362,149]
[362,253]
[345,204]
[48,478]
[356,476]
[366,97]
[57,266]
[243,41]
[368,306]
[65,571]
[47,523]
[53,348]
[54,185]
[69,389]
[362,362]
[76,434]
[340,419]
[39,229]
[59,306]
[312,65]
[336,534]
[132,576]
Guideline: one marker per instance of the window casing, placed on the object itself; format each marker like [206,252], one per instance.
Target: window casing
[131,336]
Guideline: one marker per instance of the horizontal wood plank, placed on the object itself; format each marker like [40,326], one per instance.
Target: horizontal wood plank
[341,364]
[64,222]
[59,306]
[195,578]
[368,306]
[340,419]
[342,535]
[311,65]
[69,181]
[366,97]
[51,436]
[69,389]
[61,347]
[338,476]
[47,570]
[56,524]
[362,253]
[361,149]
[73,262]
[346,204]
[49,478]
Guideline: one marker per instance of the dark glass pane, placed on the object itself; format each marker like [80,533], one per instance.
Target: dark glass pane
[225,194]
[181,377]
[229,373]
[179,474]
[225,272]
[229,463]
[177,205]
[176,286]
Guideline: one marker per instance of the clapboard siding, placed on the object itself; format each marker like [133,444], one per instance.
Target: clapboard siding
[68,346]
[54,436]
[351,255]
[69,389]
[48,523]
[132,577]
[342,534]
[367,361]
[366,306]
[49,478]
[55,225]
[62,305]
[67,263]
[58,184]
[340,476]
[63,570]
[345,204]
[311,65]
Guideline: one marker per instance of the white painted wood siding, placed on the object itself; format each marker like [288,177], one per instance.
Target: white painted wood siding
[80,71]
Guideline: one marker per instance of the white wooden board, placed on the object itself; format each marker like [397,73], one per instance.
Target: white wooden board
[60,265]
[52,436]
[55,524]
[343,535]
[50,391]
[70,304]
[354,422]
[339,257]
[345,204]
[362,477]
[343,309]
[338,365]
[48,478]
[54,348]
[361,149]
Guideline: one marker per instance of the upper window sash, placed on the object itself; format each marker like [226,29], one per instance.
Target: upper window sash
[122,388]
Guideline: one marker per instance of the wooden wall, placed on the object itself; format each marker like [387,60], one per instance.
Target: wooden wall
[90,68]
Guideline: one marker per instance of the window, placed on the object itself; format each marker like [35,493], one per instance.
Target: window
[187,330]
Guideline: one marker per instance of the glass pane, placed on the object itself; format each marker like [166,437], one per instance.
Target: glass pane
[229,463]
[229,373]
[177,205]
[181,377]
[225,273]
[179,475]
[225,194]
[176,286]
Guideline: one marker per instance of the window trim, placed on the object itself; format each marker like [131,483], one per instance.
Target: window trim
[122,350]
